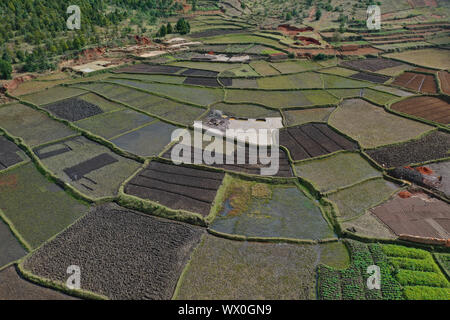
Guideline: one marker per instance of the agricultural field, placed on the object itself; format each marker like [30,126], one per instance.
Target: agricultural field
[35,207]
[269,211]
[372,126]
[323,149]
[87,166]
[251,270]
[132,241]
[32,126]
[336,171]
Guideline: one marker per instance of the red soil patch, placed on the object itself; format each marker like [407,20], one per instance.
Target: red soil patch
[416,81]
[312,14]
[430,108]
[419,215]
[307,40]
[444,78]
[14,84]
[8,182]
[404,194]
[291,30]
[361,51]
[424,170]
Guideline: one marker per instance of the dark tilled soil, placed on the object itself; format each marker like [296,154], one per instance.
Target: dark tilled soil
[199,81]
[313,140]
[419,215]
[77,172]
[284,166]
[433,146]
[372,64]
[215,32]
[73,109]
[8,153]
[122,254]
[147,68]
[200,73]
[424,83]
[13,287]
[370,77]
[177,187]
[45,155]
[227,82]
[10,248]
[430,108]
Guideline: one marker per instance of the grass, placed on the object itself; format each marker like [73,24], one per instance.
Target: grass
[32,126]
[52,95]
[261,210]
[332,81]
[242,38]
[372,126]
[245,110]
[194,95]
[105,105]
[151,77]
[103,182]
[354,201]
[297,117]
[37,208]
[429,58]
[295,66]
[339,71]
[281,99]
[108,125]
[307,80]
[337,171]
[146,141]
[226,269]
[264,68]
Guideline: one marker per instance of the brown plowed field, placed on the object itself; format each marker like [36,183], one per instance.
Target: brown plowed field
[284,166]
[430,108]
[444,78]
[313,140]
[424,83]
[419,215]
[177,187]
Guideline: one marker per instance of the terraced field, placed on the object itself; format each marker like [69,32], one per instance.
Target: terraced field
[361,158]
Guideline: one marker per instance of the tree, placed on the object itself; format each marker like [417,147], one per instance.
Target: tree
[183,26]
[169,28]
[162,31]
[5,70]
[318,14]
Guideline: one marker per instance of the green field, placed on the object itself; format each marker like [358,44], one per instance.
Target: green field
[297,117]
[430,58]
[225,269]
[103,182]
[37,208]
[262,210]
[337,171]
[32,126]
[372,126]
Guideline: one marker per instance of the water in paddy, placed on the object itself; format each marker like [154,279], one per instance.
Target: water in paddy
[287,214]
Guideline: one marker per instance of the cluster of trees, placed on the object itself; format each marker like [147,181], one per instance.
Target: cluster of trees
[182,27]
[40,27]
